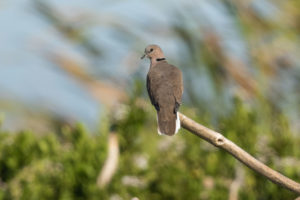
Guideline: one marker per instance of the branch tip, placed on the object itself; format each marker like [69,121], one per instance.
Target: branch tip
[244,157]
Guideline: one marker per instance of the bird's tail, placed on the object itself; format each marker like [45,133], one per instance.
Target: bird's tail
[168,122]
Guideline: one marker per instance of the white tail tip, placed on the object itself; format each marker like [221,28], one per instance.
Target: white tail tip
[177,125]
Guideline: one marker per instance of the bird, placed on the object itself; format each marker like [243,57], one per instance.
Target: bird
[165,89]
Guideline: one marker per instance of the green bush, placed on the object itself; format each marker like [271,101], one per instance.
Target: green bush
[65,165]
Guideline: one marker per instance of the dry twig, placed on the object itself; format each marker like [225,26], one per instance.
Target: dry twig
[220,141]
[236,183]
[111,163]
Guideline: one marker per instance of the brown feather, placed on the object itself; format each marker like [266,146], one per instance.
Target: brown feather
[165,88]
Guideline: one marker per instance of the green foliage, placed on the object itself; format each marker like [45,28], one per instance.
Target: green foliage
[65,165]
[52,166]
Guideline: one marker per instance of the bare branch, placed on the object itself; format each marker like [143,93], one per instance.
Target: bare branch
[111,163]
[220,141]
[236,183]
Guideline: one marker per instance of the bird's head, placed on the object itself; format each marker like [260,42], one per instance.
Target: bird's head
[153,52]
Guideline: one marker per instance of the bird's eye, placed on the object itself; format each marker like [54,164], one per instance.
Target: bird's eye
[151,50]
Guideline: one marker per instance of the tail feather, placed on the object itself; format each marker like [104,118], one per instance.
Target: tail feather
[177,123]
[168,124]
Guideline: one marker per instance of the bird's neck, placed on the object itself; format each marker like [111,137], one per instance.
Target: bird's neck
[155,61]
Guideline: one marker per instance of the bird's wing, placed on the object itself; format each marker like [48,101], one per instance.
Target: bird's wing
[167,85]
[151,96]
[175,76]
[177,83]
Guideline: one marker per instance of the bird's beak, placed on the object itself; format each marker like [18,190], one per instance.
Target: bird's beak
[143,56]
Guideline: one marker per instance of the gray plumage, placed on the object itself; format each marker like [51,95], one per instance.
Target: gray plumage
[165,88]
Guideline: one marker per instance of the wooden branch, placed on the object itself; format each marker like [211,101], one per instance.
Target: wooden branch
[237,182]
[111,163]
[220,141]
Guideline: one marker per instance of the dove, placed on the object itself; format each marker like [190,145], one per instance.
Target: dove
[165,89]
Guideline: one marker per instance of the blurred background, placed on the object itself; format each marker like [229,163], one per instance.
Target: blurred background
[76,122]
